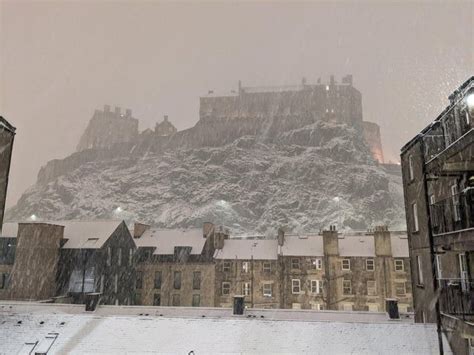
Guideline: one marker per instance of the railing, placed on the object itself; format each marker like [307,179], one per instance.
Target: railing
[453,214]
[457,297]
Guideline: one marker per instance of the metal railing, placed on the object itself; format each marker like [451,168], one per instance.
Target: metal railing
[453,214]
[456,297]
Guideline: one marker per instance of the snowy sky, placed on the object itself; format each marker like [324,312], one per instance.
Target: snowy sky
[59,61]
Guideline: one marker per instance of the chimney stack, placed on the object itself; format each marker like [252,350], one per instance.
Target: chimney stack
[382,241]
[117,110]
[281,236]
[331,242]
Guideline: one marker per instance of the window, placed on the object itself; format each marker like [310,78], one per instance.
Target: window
[371,288]
[316,286]
[115,283]
[369,264]
[196,280]
[346,287]
[373,307]
[196,300]
[157,280]
[157,299]
[419,269]
[138,297]
[295,286]
[226,266]
[139,280]
[439,269]
[455,197]
[414,210]
[176,300]
[109,256]
[101,283]
[410,167]
[316,264]
[130,256]
[267,290]
[4,280]
[295,263]
[177,280]
[119,260]
[400,288]
[317,306]
[296,305]
[245,266]
[434,218]
[246,288]
[403,308]
[346,264]
[226,288]
[399,265]
[267,266]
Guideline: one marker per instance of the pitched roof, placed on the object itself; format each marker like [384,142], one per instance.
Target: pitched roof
[164,240]
[307,245]
[79,234]
[399,245]
[247,248]
[5,125]
[357,245]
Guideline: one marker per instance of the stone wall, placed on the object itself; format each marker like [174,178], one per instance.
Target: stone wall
[373,139]
[7,133]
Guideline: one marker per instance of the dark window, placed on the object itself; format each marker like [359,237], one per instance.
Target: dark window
[196,300]
[295,263]
[158,279]
[177,280]
[4,281]
[267,266]
[226,266]
[196,280]
[157,299]
[176,301]
[138,297]
[139,280]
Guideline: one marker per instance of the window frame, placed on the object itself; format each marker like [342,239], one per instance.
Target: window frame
[344,287]
[177,280]
[411,170]
[373,288]
[397,284]
[139,280]
[295,261]
[267,284]
[155,297]
[267,266]
[225,286]
[295,283]
[226,266]
[196,296]
[419,269]
[367,262]
[197,280]
[397,267]
[246,288]
[316,285]
[245,267]
[157,285]
[414,211]
[348,263]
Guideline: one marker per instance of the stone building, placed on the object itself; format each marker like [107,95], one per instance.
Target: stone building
[175,267]
[7,134]
[438,180]
[66,260]
[107,128]
[165,127]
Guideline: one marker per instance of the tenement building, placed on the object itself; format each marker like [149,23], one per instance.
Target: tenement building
[7,133]
[334,271]
[66,260]
[438,179]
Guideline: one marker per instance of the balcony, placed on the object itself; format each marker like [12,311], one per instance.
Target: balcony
[456,297]
[453,214]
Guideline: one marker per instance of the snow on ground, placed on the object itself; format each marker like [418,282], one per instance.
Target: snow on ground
[103,332]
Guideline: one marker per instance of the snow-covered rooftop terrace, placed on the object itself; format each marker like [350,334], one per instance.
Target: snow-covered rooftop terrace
[134,329]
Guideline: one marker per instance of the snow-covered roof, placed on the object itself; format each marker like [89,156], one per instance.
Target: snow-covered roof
[400,245]
[68,329]
[246,249]
[79,234]
[303,245]
[355,245]
[4,124]
[164,240]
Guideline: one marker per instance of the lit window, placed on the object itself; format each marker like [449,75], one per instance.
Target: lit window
[371,288]
[346,264]
[414,210]
[246,288]
[316,286]
[346,287]
[295,286]
[316,264]
[295,263]
[370,265]
[267,290]
[226,288]
[399,265]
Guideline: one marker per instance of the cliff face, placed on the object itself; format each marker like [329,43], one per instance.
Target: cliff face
[252,176]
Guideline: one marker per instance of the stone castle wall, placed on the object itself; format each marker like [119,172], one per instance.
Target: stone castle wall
[107,128]
[373,139]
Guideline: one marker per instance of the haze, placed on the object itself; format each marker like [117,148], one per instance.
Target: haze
[60,61]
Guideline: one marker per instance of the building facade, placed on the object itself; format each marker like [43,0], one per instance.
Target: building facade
[438,180]
[7,134]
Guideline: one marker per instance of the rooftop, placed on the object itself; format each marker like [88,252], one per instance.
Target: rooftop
[164,240]
[6,125]
[130,329]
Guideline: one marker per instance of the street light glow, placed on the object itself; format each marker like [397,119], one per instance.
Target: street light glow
[118,209]
[336,199]
[33,217]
